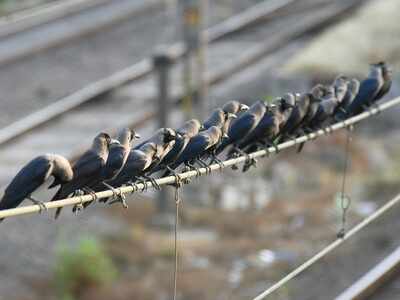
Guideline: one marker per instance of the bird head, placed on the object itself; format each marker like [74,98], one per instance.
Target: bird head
[243,107]
[288,101]
[169,135]
[134,135]
[105,137]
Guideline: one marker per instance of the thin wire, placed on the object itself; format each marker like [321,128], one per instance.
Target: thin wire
[345,200]
[177,202]
[129,189]
[329,248]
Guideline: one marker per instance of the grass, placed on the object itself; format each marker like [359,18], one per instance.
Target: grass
[82,267]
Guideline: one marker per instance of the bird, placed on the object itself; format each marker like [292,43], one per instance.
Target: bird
[325,110]
[297,116]
[370,89]
[198,146]
[353,87]
[87,169]
[32,176]
[161,137]
[164,141]
[387,80]
[340,87]
[243,125]
[185,133]
[216,118]
[221,118]
[138,161]
[234,107]
[117,155]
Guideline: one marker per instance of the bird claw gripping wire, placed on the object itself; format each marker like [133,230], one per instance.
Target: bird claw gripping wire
[144,184]
[78,207]
[42,206]
[204,165]
[219,162]
[248,165]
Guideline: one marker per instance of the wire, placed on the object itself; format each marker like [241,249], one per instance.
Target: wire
[329,248]
[200,171]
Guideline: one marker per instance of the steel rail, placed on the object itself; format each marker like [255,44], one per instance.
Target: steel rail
[145,67]
[201,171]
[374,279]
[43,14]
[328,249]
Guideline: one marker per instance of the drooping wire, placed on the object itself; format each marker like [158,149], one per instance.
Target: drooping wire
[345,200]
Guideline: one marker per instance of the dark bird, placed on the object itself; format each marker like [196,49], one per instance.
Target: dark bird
[340,87]
[161,137]
[352,90]
[325,110]
[117,155]
[370,89]
[32,176]
[222,119]
[234,107]
[387,80]
[87,169]
[243,125]
[185,133]
[269,127]
[217,118]
[139,160]
[164,140]
[198,147]
[297,116]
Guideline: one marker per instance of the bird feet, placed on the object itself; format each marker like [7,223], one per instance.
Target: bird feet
[117,196]
[249,164]
[218,161]
[78,207]
[153,183]
[42,206]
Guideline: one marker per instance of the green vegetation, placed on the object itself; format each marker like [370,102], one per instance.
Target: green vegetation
[81,267]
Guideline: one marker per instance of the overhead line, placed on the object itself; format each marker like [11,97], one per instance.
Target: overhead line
[200,171]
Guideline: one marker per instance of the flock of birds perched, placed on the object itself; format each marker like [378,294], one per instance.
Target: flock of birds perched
[234,127]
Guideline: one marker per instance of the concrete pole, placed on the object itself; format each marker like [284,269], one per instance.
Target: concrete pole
[162,61]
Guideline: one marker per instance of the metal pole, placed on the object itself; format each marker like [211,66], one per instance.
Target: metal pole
[162,61]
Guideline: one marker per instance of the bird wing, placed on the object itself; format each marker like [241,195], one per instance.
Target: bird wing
[368,90]
[196,146]
[241,127]
[115,161]
[27,180]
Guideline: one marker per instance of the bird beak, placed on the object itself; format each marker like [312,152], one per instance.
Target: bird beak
[232,116]
[114,141]
[137,136]
[243,107]
[225,136]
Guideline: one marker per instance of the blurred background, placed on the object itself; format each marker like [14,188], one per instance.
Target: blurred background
[72,68]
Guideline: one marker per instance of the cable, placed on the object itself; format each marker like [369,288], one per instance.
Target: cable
[200,171]
[329,248]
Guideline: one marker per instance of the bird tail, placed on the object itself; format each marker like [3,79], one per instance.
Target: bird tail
[57,196]
[301,146]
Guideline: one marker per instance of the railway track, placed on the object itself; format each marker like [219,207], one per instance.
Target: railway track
[372,283]
[59,24]
[226,58]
